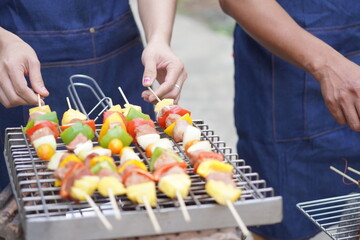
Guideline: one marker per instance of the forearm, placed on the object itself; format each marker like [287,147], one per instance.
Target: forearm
[269,24]
[157,17]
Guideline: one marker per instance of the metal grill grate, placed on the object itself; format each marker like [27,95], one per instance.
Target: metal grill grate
[339,217]
[45,215]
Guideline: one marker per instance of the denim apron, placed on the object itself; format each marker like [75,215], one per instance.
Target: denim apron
[93,37]
[285,131]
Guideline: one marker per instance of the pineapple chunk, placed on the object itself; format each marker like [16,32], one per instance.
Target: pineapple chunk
[116,108]
[45,109]
[72,114]
[112,183]
[222,192]
[87,183]
[78,194]
[136,193]
[175,182]
[163,103]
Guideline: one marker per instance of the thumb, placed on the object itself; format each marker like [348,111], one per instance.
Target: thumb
[36,80]
[149,73]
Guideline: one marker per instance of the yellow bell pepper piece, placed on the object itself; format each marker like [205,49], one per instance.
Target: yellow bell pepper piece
[222,192]
[211,165]
[45,109]
[72,114]
[112,183]
[137,192]
[111,119]
[169,130]
[134,162]
[163,103]
[175,182]
[57,183]
[98,159]
[70,158]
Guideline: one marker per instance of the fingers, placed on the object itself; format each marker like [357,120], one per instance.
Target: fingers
[8,96]
[20,88]
[172,85]
[149,72]
[36,80]
[345,108]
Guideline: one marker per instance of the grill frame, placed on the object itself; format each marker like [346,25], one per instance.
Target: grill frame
[336,216]
[44,214]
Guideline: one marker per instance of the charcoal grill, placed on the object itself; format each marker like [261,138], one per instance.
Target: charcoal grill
[45,215]
[338,217]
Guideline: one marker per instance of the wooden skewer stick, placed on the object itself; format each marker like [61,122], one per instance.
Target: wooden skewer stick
[183,207]
[239,221]
[344,175]
[123,95]
[353,170]
[39,100]
[101,216]
[68,102]
[152,91]
[153,219]
[114,204]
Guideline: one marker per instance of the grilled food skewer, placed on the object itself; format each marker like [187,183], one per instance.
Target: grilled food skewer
[149,139]
[186,133]
[82,149]
[139,182]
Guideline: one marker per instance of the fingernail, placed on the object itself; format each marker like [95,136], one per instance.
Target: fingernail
[44,90]
[146,80]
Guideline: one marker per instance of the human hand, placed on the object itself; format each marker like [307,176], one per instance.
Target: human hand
[17,60]
[340,87]
[162,64]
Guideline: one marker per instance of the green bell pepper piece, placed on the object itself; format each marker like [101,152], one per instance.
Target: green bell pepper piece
[70,133]
[51,116]
[158,151]
[133,113]
[116,132]
[100,165]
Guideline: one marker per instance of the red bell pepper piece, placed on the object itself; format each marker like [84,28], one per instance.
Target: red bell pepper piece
[174,110]
[53,127]
[90,123]
[133,124]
